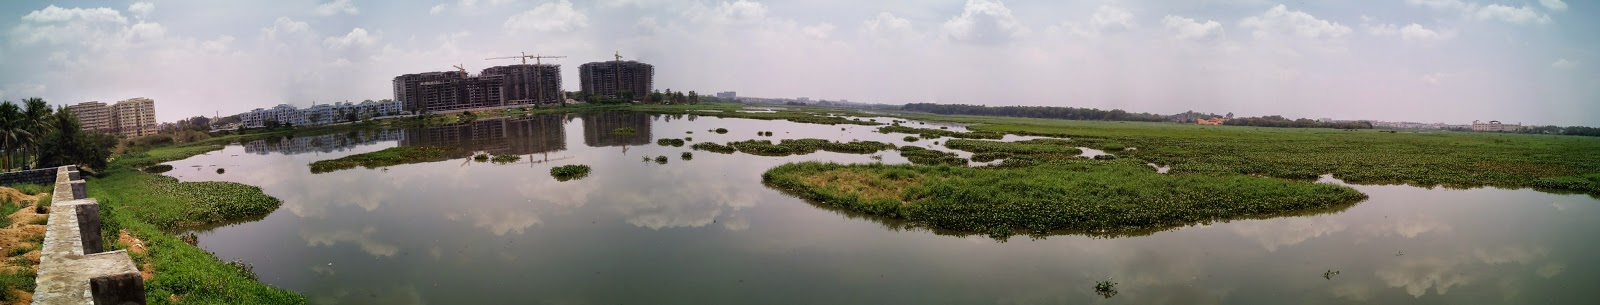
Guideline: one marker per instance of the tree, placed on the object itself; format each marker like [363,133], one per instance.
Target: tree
[12,132]
[36,121]
[69,145]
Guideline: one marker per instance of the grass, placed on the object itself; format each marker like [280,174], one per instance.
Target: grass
[937,133]
[1097,198]
[924,156]
[7,207]
[387,157]
[19,279]
[152,206]
[791,147]
[1426,159]
[32,189]
[569,172]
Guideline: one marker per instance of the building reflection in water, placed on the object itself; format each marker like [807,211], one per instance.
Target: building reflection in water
[327,143]
[600,129]
[499,136]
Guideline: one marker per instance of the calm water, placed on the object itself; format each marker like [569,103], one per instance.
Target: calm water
[707,231]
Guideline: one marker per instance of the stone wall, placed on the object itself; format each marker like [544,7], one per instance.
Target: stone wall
[44,176]
[72,267]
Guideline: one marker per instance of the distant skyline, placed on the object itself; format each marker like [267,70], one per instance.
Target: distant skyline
[1453,61]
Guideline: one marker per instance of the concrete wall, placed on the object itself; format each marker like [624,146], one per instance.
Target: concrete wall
[72,267]
[45,176]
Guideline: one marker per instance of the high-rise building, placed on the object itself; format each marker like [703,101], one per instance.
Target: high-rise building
[135,117]
[529,84]
[728,94]
[408,88]
[93,116]
[617,79]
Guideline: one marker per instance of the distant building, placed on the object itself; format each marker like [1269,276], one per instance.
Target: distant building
[529,84]
[1213,121]
[1495,126]
[130,118]
[93,116]
[729,94]
[617,79]
[408,88]
[320,114]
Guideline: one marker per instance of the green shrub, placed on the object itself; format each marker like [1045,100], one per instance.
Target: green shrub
[569,172]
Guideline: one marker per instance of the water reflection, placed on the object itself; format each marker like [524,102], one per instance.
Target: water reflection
[327,143]
[468,233]
[608,129]
[499,136]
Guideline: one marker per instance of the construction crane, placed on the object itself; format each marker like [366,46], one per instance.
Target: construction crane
[463,70]
[536,58]
[538,83]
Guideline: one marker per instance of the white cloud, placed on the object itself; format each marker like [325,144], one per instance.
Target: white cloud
[55,26]
[357,37]
[819,31]
[1436,77]
[1554,5]
[57,14]
[648,26]
[1516,15]
[548,17]
[1189,29]
[438,8]
[1564,63]
[984,22]
[283,26]
[141,9]
[1410,32]
[1281,21]
[220,44]
[887,26]
[1112,18]
[1439,4]
[338,7]
[738,12]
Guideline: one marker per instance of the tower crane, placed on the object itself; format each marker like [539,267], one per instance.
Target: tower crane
[536,58]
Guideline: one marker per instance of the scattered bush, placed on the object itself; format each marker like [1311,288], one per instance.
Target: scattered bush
[686,156]
[569,172]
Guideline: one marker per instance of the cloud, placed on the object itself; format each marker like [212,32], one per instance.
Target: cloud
[1281,21]
[727,13]
[1516,15]
[1190,29]
[1563,63]
[357,37]
[336,7]
[819,31]
[141,9]
[438,8]
[283,26]
[1554,5]
[1436,77]
[1411,32]
[1439,4]
[548,17]
[887,26]
[363,238]
[984,22]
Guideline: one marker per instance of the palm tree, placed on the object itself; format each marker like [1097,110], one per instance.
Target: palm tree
[36,121]
[11,131]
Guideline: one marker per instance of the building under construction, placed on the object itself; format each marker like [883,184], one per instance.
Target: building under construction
[617,79]
[530,84]
[495,87]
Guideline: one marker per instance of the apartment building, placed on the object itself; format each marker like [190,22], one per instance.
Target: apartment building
[617,79]
[130,118]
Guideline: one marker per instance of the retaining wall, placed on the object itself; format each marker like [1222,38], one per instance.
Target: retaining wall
[43,176]
[73,269]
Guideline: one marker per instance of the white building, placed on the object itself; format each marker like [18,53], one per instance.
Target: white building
[1495,126]
[321,114]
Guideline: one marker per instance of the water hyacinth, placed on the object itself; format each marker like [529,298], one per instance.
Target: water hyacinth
[569,172]
[925,132]
[1097,198]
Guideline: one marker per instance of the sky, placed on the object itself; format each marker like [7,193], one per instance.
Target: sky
[1453,61]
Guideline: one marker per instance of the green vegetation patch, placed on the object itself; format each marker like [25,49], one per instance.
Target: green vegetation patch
[387,157]
[714,147]
[918,155]
[670,142]
[624,131]
[927,133]
[1100,198]
[16,279]
[505,159]
[170,204]
[569,172]
[806,146]
[32,189]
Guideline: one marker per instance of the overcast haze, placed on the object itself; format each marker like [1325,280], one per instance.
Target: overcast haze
[1415,60]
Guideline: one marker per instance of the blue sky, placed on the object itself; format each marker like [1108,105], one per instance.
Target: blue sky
[1452,61]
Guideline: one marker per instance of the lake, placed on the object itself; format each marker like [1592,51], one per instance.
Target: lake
[707,231]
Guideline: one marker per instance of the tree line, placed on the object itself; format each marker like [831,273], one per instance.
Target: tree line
[1280,121]
[33,135]
[1558,130]
[1043,112]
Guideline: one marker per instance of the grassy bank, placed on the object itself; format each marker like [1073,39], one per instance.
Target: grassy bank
[383,158]
[1450,159]
[1099,198]
[151,207]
